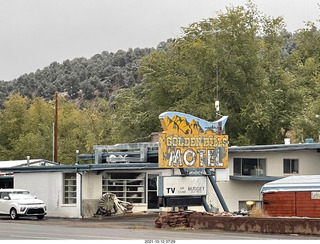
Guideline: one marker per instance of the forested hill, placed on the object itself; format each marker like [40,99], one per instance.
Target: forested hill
[266,80]
[80,78]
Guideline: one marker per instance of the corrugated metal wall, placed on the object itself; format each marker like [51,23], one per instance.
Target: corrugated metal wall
[306,206]
[298,204]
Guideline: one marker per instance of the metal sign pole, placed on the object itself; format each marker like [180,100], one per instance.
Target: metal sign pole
[217,190]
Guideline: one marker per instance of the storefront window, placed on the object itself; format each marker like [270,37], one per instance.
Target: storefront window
[129,187]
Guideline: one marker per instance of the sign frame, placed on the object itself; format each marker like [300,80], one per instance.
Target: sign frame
[191,142]
[177,185]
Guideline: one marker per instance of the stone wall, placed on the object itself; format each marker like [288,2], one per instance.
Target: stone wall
[173,219]
[275,225]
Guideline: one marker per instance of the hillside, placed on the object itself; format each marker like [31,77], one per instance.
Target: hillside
[80,79]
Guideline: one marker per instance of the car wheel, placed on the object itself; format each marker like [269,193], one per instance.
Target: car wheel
[13,214]
[40,216]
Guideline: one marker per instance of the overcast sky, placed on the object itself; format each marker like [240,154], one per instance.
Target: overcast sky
[35,33]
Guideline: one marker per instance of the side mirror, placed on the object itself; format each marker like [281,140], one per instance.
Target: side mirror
[6,198]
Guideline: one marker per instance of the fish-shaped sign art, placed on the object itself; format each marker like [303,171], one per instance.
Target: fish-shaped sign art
[189,124]
[188,141]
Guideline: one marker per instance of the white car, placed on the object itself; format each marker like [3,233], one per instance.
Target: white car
[18,202]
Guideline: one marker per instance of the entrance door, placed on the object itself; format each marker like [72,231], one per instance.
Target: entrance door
[153,202]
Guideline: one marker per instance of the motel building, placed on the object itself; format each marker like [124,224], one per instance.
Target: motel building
[152,178]
[75,190]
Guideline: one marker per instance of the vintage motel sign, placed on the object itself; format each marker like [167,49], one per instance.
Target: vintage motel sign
[191,142]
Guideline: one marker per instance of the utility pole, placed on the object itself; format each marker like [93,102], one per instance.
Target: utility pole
[56,129]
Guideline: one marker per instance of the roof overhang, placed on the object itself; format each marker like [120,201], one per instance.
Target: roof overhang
[275,148]
[83,168]
[254,178]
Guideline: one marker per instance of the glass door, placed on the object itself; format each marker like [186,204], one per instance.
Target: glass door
[153,202]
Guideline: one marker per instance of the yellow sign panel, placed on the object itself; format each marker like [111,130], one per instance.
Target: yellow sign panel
[190,142]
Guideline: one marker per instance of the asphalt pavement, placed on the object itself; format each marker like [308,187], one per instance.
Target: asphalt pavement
[140,227]
[126,221]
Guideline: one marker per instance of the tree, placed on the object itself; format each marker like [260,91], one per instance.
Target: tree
[27,128]
[11,127]
[243,48]
[304,65]
[271,114]
[37,131]
[96,125]
[88,87]
[130,117]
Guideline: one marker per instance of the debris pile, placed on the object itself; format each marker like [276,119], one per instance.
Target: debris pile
[110,204]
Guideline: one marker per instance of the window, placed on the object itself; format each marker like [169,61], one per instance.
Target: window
[290,166]
[129,187]
[6,183]
[249,166]
[70,188]
[4,194]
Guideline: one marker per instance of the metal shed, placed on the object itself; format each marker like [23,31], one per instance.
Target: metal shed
[292,196]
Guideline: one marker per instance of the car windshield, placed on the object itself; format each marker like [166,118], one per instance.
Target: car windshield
[20,195]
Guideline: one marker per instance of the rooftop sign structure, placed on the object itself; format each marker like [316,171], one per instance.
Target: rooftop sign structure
[191,142]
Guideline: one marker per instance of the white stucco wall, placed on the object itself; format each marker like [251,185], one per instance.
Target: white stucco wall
[91,185]
[309,161]
[48,186]
[234,191]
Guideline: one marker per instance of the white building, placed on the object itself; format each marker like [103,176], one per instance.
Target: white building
[75,190]
[253,166]
[6,178]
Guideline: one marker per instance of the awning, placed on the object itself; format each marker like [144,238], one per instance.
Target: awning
[253,178]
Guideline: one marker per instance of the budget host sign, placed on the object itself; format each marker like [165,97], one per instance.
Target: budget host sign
[190,142]
[182,186]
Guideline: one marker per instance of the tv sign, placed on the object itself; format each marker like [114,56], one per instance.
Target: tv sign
[169,186]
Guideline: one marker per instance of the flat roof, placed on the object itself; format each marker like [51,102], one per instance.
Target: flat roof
[25,162]
[275,147]
[83,167]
